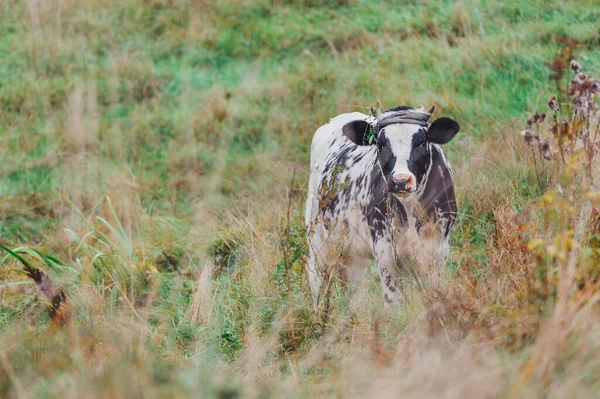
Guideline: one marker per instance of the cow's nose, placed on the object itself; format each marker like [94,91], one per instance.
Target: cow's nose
[404,182]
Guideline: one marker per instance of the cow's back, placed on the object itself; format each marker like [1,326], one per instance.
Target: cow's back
[323,138]
[327,142]
[338,191]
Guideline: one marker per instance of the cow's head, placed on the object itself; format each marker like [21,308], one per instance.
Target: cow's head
[403,139]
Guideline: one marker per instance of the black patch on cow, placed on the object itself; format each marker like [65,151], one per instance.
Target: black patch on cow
[400,108]
[383,208]
[358,157]
[388,282]
[336,160]
[360,180]
[438,198]
[418,162]
[333,189]
[376,209]
[336,191]
[387,159]
[387,298]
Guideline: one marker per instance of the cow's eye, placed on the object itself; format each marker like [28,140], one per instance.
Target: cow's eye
[421,144]
[379,145]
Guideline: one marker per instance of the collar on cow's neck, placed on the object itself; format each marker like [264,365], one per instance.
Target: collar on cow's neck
[405,116]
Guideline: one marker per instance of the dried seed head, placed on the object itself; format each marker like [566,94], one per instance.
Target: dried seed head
[536,118]
[553,104]
[545,149]
[595,87]
[565,129]
[543,116]
[580,78]
[528,135]
[575,66]
[573,87]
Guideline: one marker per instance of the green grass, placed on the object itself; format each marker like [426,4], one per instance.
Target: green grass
[191,119]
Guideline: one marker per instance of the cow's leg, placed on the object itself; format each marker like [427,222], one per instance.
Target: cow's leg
[320,261]
[432,256]
[329,258]
[387,265]
[353,272]
[315,280]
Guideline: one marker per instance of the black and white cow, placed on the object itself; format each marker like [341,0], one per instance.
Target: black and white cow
[379,188]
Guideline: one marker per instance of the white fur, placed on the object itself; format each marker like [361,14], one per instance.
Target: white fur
[400,137]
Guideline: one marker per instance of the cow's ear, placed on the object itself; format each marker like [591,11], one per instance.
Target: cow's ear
[442,130]
[359,132]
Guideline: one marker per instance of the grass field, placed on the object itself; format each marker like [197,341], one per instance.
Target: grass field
[154,160]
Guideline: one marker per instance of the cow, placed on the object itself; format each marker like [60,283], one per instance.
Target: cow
[379,188]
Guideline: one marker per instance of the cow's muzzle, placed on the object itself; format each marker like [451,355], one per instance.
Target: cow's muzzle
[402,183]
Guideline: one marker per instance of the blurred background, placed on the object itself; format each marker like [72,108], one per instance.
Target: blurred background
[153,163]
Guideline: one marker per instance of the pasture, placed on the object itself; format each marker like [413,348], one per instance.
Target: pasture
[153,172]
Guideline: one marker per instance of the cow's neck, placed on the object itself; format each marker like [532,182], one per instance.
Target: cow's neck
[409,204]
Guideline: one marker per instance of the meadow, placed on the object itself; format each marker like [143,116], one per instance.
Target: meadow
[153,168]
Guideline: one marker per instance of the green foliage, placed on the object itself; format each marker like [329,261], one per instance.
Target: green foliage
[225,252]
[235,317]
[297,257]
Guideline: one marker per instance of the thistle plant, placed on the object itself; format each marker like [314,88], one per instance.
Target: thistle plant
[570,130]
[563,238]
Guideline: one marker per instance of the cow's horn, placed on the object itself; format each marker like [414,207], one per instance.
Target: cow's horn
[430,110]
